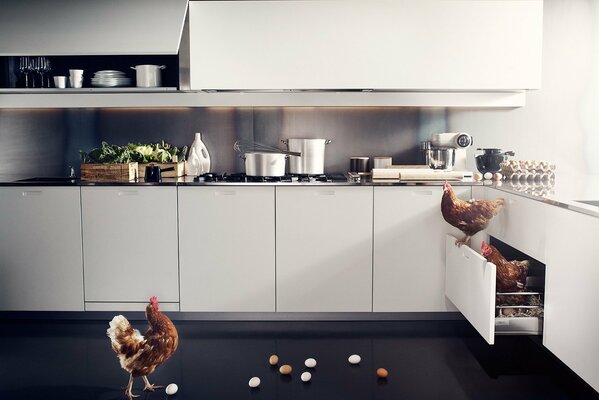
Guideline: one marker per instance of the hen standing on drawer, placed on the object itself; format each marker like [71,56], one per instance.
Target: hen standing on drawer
[140,355]
[511,275]
[468,216]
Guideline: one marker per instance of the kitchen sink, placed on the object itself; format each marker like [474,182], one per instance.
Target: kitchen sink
[589,202]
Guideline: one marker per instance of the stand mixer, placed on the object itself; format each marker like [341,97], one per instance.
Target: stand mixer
[454,143]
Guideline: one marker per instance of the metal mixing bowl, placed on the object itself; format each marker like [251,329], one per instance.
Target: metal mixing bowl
[441,158]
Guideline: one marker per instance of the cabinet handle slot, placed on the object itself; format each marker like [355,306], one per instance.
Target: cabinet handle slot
[29,193]
[423,192]
[225,193]
[128,193]
[325,193]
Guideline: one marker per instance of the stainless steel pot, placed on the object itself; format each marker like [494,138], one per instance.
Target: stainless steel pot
[147,75]
[311,162]
[259,163]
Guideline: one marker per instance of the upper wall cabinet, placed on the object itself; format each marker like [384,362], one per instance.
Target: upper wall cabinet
[98,27]
[390,45]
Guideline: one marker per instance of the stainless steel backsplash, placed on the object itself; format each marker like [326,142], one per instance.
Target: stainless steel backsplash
[46,142]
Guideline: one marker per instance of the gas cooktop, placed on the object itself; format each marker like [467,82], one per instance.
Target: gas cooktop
[243,178]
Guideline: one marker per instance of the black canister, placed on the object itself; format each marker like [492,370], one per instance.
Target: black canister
[153,173]
[358,164]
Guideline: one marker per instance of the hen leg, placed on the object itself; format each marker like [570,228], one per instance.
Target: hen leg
[149,386]
[465,241]
[128,392]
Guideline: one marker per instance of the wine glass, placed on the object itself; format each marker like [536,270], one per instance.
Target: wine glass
[36,64]
[25,68]
[47,67]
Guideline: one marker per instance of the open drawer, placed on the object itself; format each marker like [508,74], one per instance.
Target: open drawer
[470,285]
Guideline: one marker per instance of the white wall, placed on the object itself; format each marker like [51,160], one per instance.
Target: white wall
[560,122]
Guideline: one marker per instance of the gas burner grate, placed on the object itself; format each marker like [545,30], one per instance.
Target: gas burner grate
[243,178]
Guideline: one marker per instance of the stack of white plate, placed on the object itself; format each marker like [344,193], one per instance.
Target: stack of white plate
[110,78]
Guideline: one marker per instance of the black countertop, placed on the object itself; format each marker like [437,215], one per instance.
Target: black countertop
[567,191]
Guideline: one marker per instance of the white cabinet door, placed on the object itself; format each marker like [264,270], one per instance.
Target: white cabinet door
[227,248]
[41,266]
[324,248]
[356,44]
[521,223]
[409,248]
[571,294]
[130,243]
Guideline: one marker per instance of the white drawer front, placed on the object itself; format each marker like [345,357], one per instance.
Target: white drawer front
[470,285]
[521,223]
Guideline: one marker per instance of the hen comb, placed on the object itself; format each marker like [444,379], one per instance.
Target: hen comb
[153,300]
[446,186]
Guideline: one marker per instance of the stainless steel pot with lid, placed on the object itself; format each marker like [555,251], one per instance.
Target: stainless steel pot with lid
[262,160]
[311,161]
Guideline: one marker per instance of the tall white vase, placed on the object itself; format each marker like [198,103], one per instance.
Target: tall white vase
[198,162]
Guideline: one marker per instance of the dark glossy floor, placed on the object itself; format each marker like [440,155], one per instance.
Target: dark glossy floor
[215,360]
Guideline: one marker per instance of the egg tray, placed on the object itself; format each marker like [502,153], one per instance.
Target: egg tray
[541,189]
[527,304]
[528,171]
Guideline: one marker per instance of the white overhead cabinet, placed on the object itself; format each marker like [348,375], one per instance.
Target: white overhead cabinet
[324,248]
[419,45]
[41,266]
[227,248]
[98,27]
[130,246]
[409,249]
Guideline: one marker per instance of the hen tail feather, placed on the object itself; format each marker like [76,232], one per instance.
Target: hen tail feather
[122,334]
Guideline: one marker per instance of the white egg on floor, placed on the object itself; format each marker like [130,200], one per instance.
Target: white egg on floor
[254,382]
[310,363]
[354,359]
[171,389]
[306,376]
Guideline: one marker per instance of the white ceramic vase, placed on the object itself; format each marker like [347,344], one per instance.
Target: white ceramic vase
[198,162]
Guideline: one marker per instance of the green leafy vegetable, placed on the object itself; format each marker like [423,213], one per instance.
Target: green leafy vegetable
[143,153]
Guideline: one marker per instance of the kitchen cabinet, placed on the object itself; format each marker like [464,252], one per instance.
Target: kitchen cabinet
[73,27]
[521,223]
[571,295]
[470,284]
[324,248]
[227,248]
[409,249]
[426,45]
[41,263]
[471,280]
[130,244]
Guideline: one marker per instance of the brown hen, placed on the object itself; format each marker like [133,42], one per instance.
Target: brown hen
[468,216]
[140,355]
[511,275]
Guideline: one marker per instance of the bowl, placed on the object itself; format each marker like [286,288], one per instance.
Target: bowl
[441,158]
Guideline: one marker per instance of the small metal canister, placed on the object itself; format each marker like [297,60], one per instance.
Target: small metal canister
[358,164]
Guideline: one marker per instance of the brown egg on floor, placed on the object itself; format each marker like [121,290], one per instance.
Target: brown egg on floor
[285,369]
[382,373]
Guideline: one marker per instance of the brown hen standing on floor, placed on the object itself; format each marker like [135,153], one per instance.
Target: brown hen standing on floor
[511,275]
[140,355]
[470,216]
